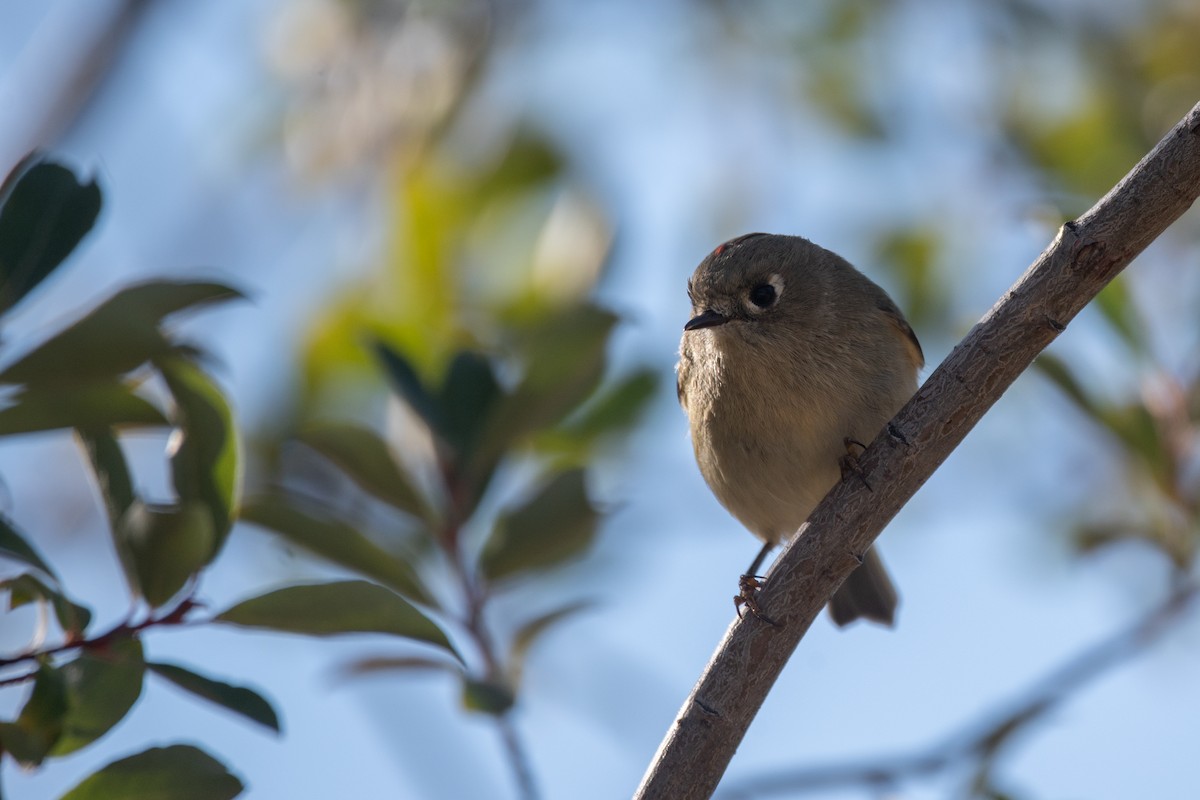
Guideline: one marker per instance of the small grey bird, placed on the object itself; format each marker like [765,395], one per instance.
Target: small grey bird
[790,357]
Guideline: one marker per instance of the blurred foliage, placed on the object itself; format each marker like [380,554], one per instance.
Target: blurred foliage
[92,377]
[479,321]
[1156,438]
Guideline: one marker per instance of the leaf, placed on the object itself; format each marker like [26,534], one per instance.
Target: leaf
[116,489]
[37,728]
[167,545]
[238,699]
[205,462]
[556,524]
[366,666]
[531,631]
[327,609]
[101,686]
[564,363]
[466,400]
[615,409]
[488,697]
[178,772]
[44,213]
[334,540]
[1116,304]
[112,472]
[1056,370]
[407,384]
[365,459]
[72,617]
[14,547]
[91,406]
[116,337]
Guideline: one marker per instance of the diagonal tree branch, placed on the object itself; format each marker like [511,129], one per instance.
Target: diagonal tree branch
[1087,254]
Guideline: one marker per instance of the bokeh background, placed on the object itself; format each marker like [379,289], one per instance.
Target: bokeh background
[310,151]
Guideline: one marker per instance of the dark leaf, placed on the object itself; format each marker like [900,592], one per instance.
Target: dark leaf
[365,459]
[44,213]
[327,609]
[555,525]
[487,697]
[334,540]
[91,406]
[366,666]
[206,463]
[13,546]
[72,617]
[407,384]
[238,699]
[466,400]
[40,723]
[178,772]
[116,337]
[101,687]
[116,489]
[168,545]
[564,361]
[615,409]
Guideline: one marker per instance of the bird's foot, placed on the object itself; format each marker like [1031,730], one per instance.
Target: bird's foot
[849,462]
[747,598]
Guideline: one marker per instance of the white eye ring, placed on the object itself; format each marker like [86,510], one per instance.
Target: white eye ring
[764,295]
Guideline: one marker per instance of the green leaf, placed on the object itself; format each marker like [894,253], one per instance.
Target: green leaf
[167,545]
[408,385]
[13,546]
[564,359]
[1116,304]
[334,540]
[206,462]
[112,472]
[466,400]
[366,666]
[91,406]
[555,525]
[72,617]
[116,337]
[613,410]
[238,699]
[1057,371]
[487,697]
[327,609]
[44,213]
[101,687]
[40,722]
[178,772]
[365,459]
[116,489]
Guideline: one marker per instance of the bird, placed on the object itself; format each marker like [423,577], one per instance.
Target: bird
[791,359]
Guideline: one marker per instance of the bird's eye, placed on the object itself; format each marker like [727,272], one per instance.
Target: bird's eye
[763,295]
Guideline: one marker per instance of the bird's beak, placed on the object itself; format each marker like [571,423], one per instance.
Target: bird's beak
[709,319]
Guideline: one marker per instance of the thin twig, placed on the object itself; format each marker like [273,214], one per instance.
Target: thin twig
[983,741]
[518,758]
[1087,254]
[125,630]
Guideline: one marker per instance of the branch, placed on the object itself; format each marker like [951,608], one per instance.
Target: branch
[126,630]
[985,741]
[1087,254]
